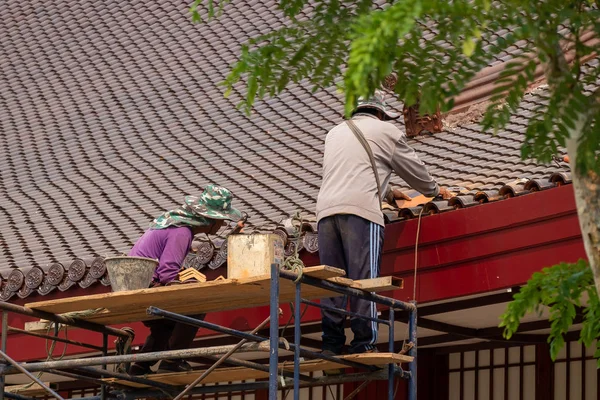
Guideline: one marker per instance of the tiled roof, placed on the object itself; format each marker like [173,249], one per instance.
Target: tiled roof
[111,112]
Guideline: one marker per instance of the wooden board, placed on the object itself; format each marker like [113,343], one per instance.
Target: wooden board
[232,374]
[193,298]
[32,389]
[256,295]
[40,326]
[382,284]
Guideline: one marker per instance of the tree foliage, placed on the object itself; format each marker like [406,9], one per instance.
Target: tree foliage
[565,290]
[434,48]
[363,42]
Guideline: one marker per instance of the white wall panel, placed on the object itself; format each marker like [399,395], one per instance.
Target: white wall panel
[498,383]
[498,356]
[591,380]
[529,381]
[454,390]
[513,382]
[575,389]
[560,378]
[484,358]
[484,384]
[469,385]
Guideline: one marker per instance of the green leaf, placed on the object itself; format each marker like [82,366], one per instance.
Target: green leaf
[560,288]
[252,89]
[469,46]
[196,16]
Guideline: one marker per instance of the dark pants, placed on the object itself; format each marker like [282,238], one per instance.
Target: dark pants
[168,335]
[353,244]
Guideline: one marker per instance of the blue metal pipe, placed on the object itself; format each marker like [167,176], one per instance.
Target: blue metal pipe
[412,337]
[103,388]
[391,367]
[297,337]
[158,312]
[344,312]
[274,333]
[334,287]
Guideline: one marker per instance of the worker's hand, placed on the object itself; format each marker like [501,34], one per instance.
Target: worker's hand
[399,195]
[239,227]
[445,193]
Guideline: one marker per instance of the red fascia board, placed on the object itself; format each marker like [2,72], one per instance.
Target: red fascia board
[494,273]
[476,220]
[484,248]
[487,244]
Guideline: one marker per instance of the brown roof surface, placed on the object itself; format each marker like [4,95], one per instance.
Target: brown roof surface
[111,112]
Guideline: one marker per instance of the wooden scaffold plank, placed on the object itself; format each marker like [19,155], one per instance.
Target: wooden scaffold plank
[197,298]
[230,374]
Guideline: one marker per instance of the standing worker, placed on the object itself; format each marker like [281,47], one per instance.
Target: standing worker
[168,240]
[359,154]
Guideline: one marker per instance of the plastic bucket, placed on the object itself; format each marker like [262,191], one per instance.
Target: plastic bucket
[130,273]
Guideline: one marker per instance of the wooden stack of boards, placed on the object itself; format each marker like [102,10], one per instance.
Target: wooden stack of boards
[191,273]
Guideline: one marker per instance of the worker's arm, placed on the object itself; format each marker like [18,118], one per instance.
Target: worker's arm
[409,167]
[172,257]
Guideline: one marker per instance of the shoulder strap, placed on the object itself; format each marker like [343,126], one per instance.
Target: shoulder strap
[361,138]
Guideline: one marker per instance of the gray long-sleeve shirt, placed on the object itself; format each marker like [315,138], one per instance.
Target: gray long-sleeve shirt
[349,185]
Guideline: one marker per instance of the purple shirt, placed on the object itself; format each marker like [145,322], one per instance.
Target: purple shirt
[169,246]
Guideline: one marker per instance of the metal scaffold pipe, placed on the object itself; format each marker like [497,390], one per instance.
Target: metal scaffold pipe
[63,319]
[228,331]
[238,387]
[345,290]
[55,338]
[156,356]
[30,375]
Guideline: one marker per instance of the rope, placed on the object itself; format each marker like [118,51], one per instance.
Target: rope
[122,347]
[50,349]
[49,356]
[417,255]
[407,346]
[287,324]
[83,313]
[293,262]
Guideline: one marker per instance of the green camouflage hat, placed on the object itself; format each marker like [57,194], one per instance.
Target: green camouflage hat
[377,101]
[213,203]
[183,216]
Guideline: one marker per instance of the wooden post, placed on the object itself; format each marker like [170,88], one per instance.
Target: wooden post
[544,373]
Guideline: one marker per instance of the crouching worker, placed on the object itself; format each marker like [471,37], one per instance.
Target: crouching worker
[169,239]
